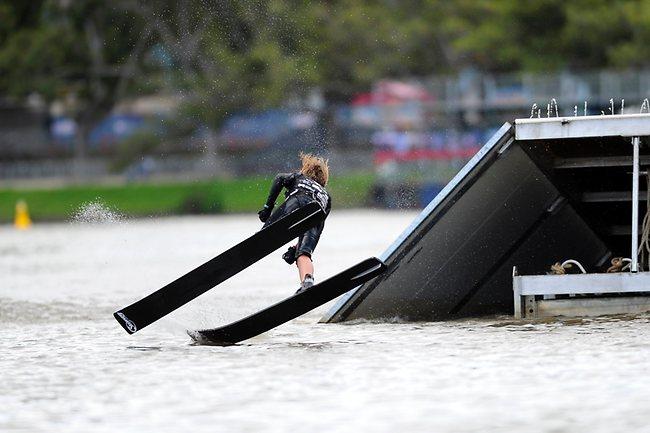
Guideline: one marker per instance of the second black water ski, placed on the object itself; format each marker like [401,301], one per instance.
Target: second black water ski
[292,307]
[196,282]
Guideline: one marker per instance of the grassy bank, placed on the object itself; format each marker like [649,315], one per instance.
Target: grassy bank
[148,199]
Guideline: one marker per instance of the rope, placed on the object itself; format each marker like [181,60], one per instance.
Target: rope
[619,264]
[568,263]
[557,269]
[560,268]
[644,246]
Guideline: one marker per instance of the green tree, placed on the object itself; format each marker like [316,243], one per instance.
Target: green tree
[227,56]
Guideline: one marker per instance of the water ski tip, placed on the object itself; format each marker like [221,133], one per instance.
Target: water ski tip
[126,323]
[200,340]
[377,268]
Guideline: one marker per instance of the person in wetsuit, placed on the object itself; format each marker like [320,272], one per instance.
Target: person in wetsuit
[302,187]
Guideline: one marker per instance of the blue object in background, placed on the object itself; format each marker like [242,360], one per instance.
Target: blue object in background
[63,130]
[114,129]
[263,127]
[274,127]
[428,192]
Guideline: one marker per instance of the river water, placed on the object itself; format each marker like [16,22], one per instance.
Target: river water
[67,366]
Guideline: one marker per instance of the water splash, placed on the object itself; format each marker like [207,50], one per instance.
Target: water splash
[553,109]
[96,212]
[553,104]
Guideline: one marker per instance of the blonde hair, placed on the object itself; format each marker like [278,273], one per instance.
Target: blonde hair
[315,168]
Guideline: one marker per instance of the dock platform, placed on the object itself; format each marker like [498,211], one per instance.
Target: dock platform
[542,296]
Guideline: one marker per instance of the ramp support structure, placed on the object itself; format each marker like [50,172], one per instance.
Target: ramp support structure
[537,296]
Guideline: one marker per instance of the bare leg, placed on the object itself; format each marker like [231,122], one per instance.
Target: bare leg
[305,266]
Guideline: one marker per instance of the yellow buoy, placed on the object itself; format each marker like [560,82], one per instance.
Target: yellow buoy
[22,220]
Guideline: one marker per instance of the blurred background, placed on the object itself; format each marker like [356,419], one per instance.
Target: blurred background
[173,107]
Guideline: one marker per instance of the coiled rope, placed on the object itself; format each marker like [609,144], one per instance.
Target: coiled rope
[619,264]
[560,268]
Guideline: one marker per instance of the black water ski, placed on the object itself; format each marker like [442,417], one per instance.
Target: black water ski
[198,281]
[292,307]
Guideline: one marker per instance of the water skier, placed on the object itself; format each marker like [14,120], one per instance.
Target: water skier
[301,187]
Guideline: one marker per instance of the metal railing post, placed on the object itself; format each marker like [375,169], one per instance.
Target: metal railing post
[635,204]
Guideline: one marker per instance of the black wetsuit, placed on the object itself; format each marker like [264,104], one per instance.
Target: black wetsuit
[300,190]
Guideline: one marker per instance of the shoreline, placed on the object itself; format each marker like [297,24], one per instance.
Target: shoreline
[156,199]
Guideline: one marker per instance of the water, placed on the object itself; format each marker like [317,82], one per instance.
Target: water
[96,212]
[67,366]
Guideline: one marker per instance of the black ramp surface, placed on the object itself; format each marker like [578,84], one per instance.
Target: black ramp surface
[232,261]
[292,307]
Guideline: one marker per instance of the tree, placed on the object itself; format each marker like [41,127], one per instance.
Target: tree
[223,56]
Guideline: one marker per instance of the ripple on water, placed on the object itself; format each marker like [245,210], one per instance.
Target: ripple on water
[27,312]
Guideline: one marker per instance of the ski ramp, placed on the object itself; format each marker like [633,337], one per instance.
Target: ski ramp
[539,191]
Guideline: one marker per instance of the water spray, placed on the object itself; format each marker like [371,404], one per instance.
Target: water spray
[553,108]
[554,104]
